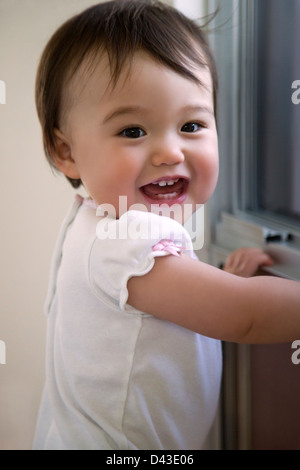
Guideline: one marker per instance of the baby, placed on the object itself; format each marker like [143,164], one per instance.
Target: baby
[126,96]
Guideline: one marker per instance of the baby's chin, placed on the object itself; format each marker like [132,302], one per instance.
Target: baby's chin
[180,212]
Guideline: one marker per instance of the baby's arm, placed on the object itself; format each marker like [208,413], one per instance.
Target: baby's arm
[214,303]
[245,262]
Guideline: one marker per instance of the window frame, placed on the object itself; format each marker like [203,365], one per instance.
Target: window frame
[233,40]
[232,224]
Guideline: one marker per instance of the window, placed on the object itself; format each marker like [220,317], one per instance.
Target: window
[257,201]
[256,48]
[277,156]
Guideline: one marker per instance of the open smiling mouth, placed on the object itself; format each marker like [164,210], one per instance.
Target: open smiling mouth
[166,191]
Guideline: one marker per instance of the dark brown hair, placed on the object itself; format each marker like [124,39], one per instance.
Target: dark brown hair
[118,28]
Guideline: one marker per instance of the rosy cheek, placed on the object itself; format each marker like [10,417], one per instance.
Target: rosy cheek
[207,177]
[212,172]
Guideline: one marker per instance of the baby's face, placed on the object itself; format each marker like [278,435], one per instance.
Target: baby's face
[151,138]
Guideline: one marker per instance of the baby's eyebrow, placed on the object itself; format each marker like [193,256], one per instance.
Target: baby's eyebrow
[124,110]
[198,108]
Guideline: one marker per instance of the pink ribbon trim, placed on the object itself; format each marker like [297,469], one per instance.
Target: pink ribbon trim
[169,246]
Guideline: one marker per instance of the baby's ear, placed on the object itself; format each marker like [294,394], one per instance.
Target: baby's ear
[62,156]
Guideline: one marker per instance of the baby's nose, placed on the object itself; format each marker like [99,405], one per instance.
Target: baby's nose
[167,154]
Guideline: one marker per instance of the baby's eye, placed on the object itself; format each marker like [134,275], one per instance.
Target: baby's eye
[191,127]
[133,133]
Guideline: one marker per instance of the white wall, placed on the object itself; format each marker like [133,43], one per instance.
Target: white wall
[33,203]
[194,9]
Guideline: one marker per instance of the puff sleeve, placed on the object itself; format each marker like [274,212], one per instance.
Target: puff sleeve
[127,247]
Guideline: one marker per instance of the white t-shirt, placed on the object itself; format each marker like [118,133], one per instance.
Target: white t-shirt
[117,378]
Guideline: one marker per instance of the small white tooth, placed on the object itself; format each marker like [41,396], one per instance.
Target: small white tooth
[165,183]
[167,196]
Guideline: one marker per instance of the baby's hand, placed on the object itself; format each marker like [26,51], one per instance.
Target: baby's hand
[245,262]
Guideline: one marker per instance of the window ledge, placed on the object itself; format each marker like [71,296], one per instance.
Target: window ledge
[280,241]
